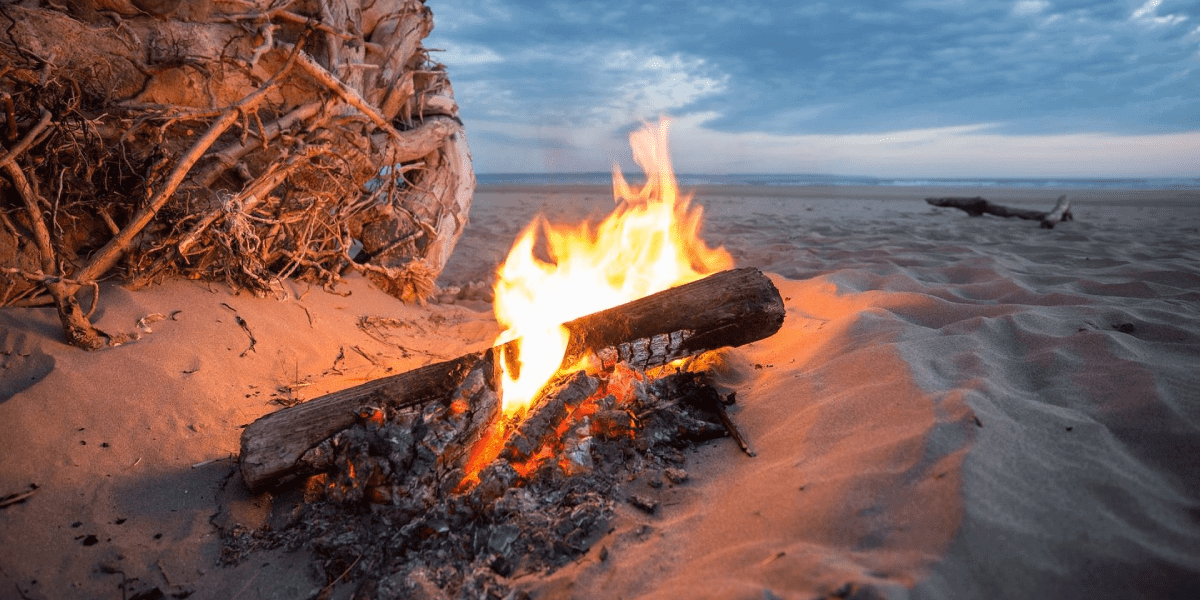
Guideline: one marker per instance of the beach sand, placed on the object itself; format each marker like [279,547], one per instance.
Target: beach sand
[955,408]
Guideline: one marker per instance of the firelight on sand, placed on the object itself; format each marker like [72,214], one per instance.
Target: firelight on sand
[650,242]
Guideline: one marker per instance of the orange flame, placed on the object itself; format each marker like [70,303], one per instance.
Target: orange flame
[650,242]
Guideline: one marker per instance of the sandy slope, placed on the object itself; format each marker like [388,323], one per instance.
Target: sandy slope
[955,408]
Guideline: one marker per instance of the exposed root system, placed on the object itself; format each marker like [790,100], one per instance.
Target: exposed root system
[244,142]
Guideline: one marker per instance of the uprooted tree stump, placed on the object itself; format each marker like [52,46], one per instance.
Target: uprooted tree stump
[245,142]
[977,206]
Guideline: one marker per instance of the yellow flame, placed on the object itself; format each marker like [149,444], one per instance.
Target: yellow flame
[650,242]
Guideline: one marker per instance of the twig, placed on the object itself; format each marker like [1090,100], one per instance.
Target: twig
[79,330]
[731,428]
[18,497]
[351,97]
[10,157]
[268,33]
[247,199]
[369,358]
[49,279]
[245,327]
[339,577]
[107,256]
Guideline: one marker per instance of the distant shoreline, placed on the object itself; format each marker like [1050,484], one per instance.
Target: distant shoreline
[770,181]
[1025,195]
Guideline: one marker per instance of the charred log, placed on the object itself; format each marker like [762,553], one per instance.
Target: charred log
[727,309]
[386,519]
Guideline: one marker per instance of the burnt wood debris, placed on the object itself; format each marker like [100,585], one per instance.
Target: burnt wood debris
[390,498]
[727,309]
[977,206]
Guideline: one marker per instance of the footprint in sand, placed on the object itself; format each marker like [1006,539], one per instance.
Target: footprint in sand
[22,363]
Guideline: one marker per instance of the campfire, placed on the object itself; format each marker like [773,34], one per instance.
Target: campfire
[511,459]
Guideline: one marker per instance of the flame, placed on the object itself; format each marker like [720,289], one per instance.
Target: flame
[650,242]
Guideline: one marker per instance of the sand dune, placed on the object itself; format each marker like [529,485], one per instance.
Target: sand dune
[955,408]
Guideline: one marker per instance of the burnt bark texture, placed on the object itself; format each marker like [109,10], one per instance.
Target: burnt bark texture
[727,309]
[242,141]
[977,206]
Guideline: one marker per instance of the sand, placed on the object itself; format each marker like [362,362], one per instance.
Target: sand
[955,408]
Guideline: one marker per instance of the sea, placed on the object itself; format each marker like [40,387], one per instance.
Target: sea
[686,180]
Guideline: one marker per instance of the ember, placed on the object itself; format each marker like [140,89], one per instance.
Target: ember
[449,480]
[649,243]
[393,517]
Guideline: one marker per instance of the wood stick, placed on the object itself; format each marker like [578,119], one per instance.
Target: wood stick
[18,497]
[15,152]
[247,199]
[731,308]
[732,428]
[978,206]
[108,255]
[76,325]
[400,146]
[343,91]
[230,155]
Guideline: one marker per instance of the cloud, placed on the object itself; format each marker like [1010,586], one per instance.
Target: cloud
[960,151]
[581,72]
[976,150]
[655,85]
[1026,8]
[1148,14]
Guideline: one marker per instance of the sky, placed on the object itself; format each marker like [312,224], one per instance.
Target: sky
[902,88]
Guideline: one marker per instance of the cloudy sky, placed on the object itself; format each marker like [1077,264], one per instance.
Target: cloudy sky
[920,88]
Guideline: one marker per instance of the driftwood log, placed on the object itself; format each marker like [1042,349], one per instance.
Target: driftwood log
[978,206]
[728,309]
[243,141]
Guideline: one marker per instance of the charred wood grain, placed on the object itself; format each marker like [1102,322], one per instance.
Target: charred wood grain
[728,309]
[272,447]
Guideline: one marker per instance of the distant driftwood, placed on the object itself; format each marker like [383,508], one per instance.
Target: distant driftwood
[977,206]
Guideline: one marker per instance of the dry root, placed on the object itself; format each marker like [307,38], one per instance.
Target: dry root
[243,142]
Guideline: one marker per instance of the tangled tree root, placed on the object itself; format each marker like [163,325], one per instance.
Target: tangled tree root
[242,141]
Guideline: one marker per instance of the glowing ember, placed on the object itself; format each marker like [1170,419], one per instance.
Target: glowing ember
[649,243]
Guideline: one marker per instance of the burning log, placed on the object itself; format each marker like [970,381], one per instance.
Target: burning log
[728,309]
[397,501]
[978,206]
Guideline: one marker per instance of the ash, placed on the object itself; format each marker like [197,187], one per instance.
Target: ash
[393,518]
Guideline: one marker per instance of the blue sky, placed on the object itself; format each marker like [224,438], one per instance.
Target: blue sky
[952,88]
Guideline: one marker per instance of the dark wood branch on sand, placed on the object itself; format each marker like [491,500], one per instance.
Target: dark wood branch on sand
[731,427]
[978,206]
[728,309]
